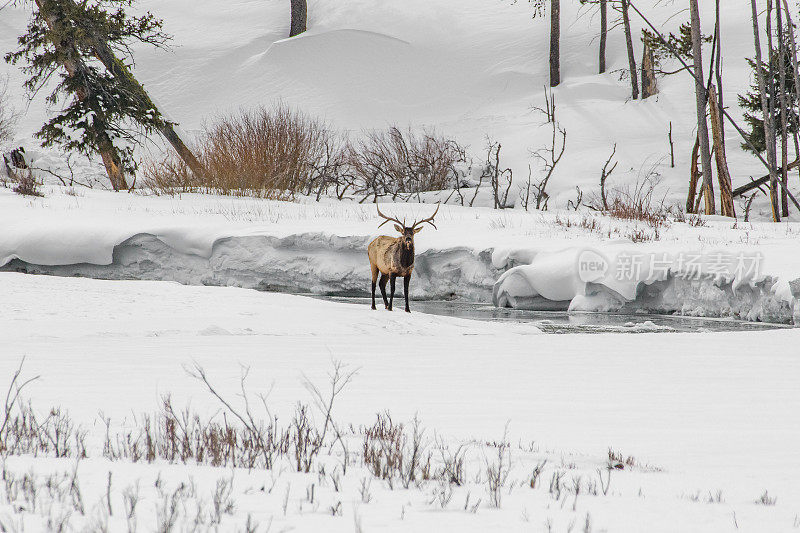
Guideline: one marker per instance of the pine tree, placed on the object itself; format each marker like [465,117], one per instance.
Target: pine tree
[680,44]
[751,101]
[103,117]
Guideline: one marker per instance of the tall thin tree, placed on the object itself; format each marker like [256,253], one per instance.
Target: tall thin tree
[701,99]
[626,23]
[718,66]
[555,42]
[795,69]
[769,132]
[784,103]
[603,34]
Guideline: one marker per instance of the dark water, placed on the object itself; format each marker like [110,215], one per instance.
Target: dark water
[562,322]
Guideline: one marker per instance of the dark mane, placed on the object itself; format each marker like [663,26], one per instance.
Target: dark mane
[406,256]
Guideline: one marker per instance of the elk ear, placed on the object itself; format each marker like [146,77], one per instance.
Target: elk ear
[417,230]
[398,228]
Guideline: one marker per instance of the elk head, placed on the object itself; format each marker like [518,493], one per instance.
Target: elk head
[407,232]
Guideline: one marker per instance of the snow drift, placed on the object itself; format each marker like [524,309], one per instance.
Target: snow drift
[711,284]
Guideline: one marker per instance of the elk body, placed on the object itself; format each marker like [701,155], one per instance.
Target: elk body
[393,257]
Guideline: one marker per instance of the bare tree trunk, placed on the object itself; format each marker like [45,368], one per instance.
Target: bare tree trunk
[718,69]
[671,147]
[784,108]
[723,174]
[73,65]
[773,97]
[694,177]
[123,76]
[769,132]
[702,125]
[555,41]
[795,71]
[626,22]
[649,84]
[603,33]
[299,17]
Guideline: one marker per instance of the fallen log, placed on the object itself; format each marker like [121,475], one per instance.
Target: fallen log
[754,184]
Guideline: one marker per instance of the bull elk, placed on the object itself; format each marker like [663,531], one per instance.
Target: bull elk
[393,257]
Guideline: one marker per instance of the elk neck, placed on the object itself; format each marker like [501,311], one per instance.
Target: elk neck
[406,255]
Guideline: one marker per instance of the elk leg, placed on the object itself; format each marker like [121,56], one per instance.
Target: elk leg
[382,285]
[406,281]
[391,298]
[374,280]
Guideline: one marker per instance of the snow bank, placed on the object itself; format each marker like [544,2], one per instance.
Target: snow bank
[309,262]
[547,261]
[322,263]
[625,279]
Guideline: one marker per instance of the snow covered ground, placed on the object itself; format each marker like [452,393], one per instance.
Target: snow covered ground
[706,416]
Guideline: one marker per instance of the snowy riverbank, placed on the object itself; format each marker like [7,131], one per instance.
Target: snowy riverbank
[528,260]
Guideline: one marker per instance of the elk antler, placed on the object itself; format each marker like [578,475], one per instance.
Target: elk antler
[388,219]
[429,220]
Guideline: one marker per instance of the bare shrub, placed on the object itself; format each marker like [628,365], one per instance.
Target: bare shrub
[404,164]
[618,461]
[638,201]
[280,153]
[391,452]
[452,467]
[268,153]
[499,178]
[170,175]
[8,116]
[766,499]
[549,156]
[497,470]
[24,432]
[383,447]
[26,183]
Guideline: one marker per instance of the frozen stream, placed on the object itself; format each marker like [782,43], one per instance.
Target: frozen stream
[563,322]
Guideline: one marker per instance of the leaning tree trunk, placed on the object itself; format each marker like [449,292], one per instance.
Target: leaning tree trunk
[649,85]
[70,60]
[299,17]
[124,77]
[603,34]
[555,42]
[718,69]
[700,94]
[626,22]
[723,174]
[769,132]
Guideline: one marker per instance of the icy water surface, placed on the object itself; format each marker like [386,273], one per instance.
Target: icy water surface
[562,322]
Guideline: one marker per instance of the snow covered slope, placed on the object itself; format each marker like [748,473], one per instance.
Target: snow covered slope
[471,68]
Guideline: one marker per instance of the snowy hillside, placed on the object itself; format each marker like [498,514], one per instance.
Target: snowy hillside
[471,68]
